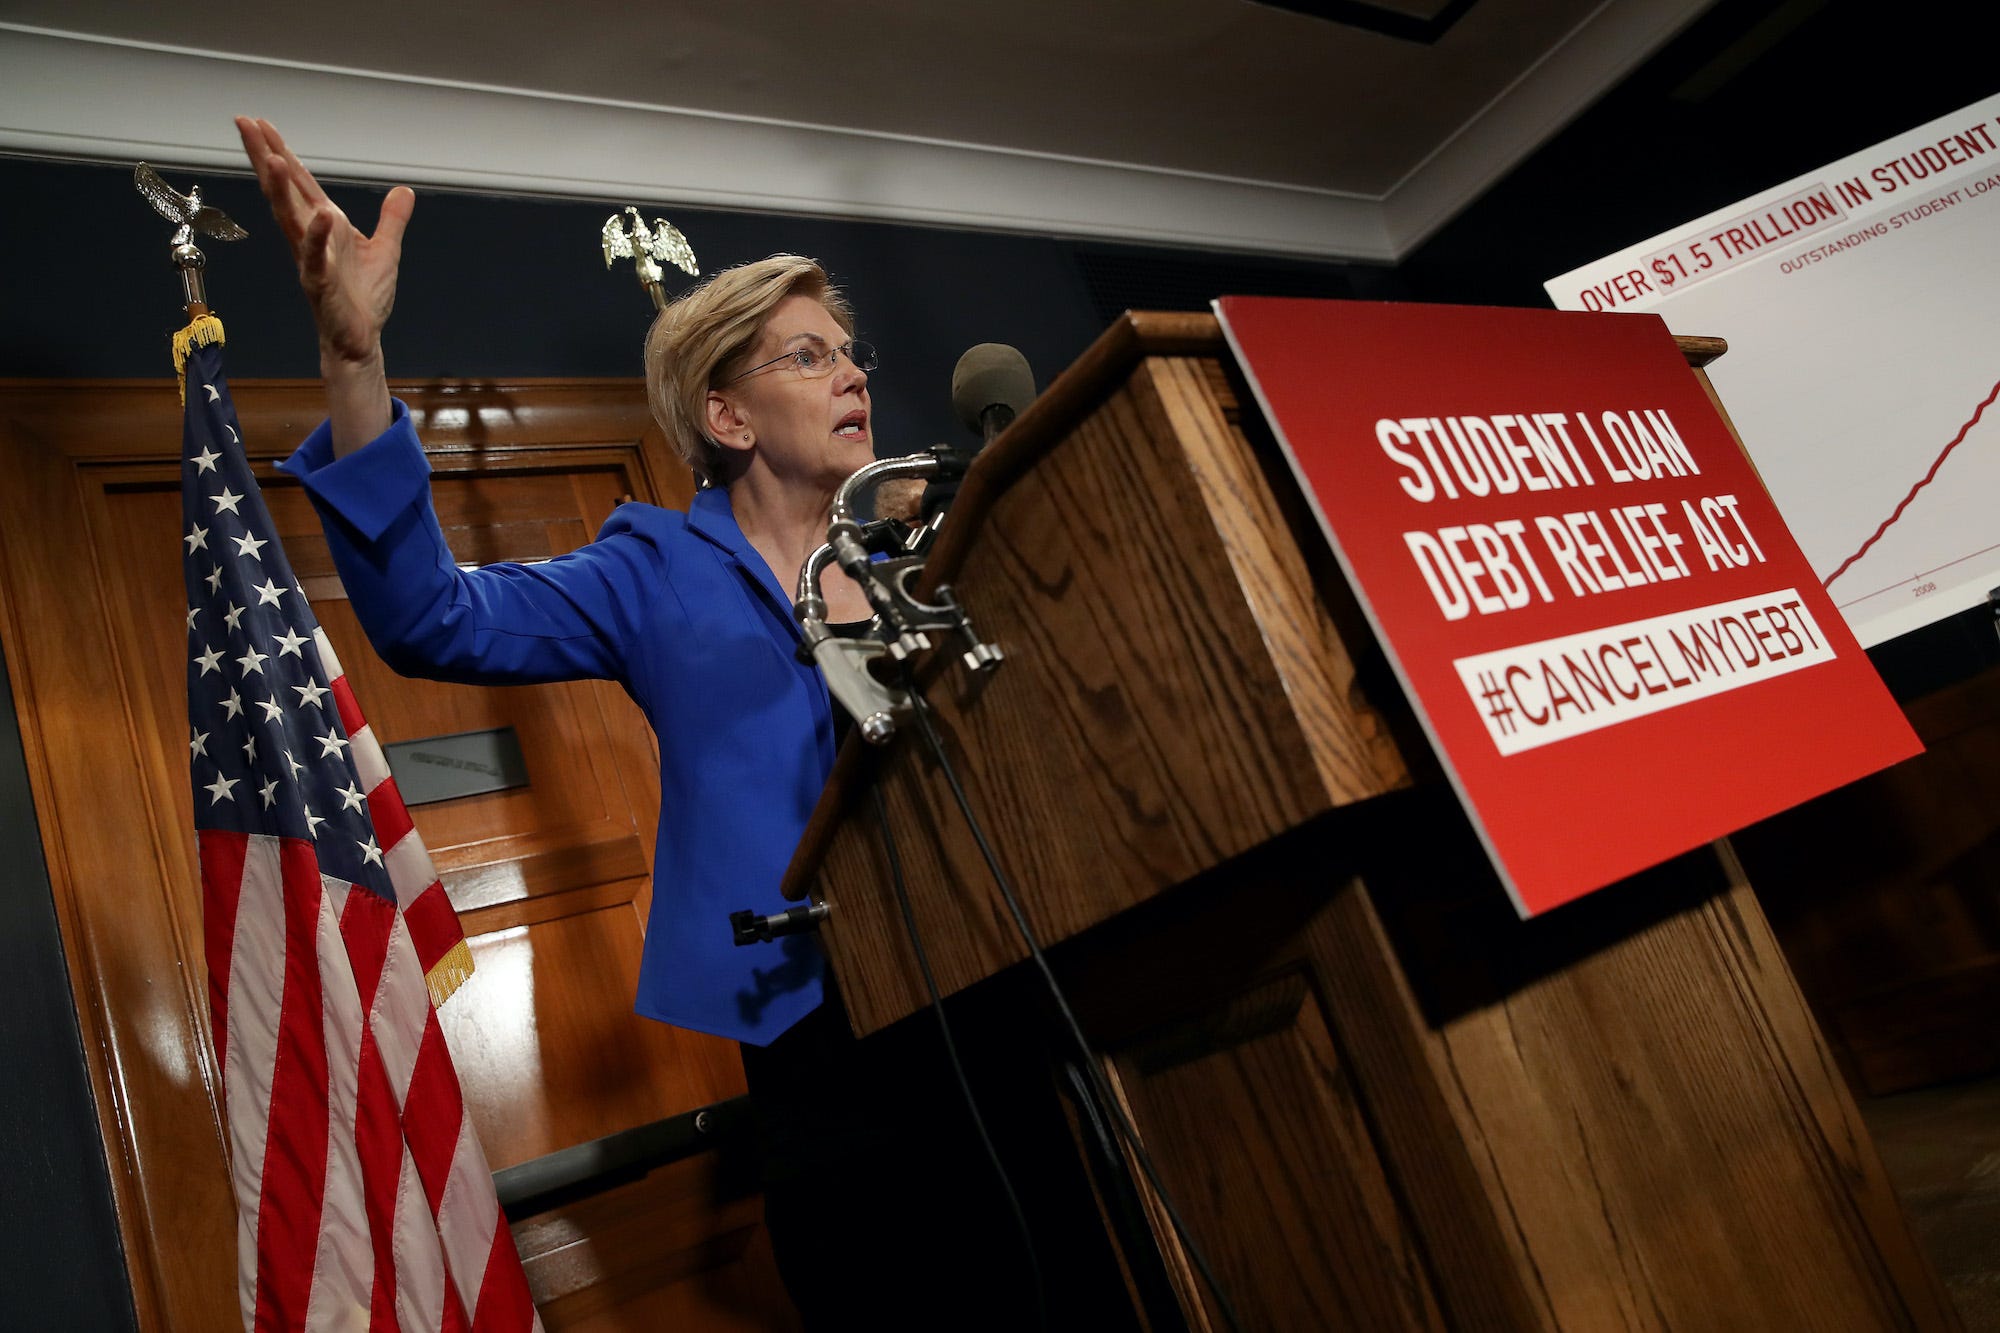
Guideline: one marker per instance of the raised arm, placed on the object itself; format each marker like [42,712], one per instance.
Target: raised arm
[349,279]
[505,624]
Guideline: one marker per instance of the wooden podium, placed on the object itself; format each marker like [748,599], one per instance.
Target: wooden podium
[1379,1099]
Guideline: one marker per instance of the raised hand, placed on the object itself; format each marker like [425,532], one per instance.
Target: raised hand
[349,279]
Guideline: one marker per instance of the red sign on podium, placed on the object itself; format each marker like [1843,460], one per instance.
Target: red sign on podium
[1609,634]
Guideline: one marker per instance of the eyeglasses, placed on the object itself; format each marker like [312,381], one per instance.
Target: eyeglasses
[813,362]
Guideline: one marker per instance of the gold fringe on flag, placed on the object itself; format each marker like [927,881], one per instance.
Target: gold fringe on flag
[449,973]
[202,331]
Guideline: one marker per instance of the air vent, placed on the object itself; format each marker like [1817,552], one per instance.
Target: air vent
[1407,20]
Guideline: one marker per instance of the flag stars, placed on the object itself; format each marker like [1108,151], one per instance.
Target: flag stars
[197,539]
[213,396]
[294,765]
[370,853]
[312,692]
[214,579]
[192,613]
[228,500]
[269,792]
[199,745]
[351,796]
[207,660]
[250,749]
[273,710]
[220,788]
[204,461]
[313,822]
[290,642]
[252,660]
[233,617]
[249,544]
[268,592]
[332,744]
[233,705]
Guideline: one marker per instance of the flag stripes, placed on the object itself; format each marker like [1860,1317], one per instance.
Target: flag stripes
[434,928]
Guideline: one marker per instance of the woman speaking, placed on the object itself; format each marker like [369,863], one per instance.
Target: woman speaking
[760,385]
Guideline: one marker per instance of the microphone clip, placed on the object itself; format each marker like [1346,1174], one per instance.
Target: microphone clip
[855,668]
[748,927]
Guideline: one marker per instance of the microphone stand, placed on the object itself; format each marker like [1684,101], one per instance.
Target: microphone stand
[877,558]
[883,558]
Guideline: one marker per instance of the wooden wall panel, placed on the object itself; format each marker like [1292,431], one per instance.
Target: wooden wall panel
[682,1249]
[553,880]
[549,1051]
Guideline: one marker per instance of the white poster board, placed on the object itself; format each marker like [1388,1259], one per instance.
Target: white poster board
[1861,304]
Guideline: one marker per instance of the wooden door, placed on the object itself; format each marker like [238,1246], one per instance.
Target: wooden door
[551,880]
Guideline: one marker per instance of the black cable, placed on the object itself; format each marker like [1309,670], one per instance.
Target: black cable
[921,707]
[1119,1190]
[951,1049]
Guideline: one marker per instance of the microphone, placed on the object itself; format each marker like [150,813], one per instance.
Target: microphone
[990,386]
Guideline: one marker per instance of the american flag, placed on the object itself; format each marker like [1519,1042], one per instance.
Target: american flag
[363,1198]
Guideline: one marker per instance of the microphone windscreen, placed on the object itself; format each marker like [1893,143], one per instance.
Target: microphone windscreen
[991,374]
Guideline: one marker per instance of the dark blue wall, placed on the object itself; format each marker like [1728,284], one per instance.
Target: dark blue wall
[496,286]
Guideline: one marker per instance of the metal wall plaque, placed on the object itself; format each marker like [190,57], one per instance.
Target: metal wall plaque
[442,768]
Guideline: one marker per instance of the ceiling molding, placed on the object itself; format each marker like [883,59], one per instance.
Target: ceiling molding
[86,96]
[1596,55]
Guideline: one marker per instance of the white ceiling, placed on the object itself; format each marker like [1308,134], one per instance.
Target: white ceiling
[1216,123]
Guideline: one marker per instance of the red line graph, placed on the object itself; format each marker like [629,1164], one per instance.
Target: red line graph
[1928,477]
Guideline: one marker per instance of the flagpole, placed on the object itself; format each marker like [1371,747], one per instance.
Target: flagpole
[189,259]
[202,329]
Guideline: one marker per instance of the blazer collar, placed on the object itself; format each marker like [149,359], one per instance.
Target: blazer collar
[710,517]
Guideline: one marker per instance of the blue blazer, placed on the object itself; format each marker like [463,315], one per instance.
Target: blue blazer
[681,611]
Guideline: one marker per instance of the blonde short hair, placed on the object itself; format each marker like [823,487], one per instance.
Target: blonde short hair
[704,335]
